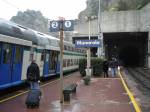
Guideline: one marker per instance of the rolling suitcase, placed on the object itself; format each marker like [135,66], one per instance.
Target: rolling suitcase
[33,98]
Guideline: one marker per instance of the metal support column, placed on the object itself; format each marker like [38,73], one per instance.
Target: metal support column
[61,60]
[88,70]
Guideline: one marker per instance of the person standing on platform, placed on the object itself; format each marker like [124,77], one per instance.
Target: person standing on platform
[33,75]
[105,68]
[114,67]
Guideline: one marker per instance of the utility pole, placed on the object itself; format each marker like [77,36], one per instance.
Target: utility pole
[88,70]
[61,25]
[61,60]
[100,50]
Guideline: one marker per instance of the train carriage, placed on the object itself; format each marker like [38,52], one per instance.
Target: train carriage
[20,45]
[12,65]
[71,56]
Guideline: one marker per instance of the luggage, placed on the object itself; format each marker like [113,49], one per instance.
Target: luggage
[33,98]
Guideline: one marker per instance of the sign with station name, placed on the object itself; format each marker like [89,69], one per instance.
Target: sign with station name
[87,43]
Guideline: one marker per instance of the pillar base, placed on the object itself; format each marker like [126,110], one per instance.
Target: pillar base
[88,72]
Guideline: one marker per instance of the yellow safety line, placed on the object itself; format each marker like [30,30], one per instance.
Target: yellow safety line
[9,98]
[1,101]
[135,104]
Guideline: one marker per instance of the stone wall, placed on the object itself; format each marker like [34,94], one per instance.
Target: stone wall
[119,21]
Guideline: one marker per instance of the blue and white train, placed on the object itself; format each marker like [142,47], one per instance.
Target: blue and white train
[20,45]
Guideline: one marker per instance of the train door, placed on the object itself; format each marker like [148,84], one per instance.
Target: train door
[10,63]
[17,63]
[46,64]
[53,61]
[50,63]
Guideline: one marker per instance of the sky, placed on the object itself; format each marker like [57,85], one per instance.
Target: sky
[51,9]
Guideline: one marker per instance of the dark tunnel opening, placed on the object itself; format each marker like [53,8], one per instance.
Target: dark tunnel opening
[130,48]
[130,56]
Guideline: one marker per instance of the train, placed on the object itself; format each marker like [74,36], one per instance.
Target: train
[20,45]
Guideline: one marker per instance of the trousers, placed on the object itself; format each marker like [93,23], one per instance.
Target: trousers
[34,85]
[114,72]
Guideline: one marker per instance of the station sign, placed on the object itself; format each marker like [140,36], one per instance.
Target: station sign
[68,25]
[87,43]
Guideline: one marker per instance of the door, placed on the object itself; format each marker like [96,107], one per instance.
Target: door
[53,61]
[46,64]
[50,63]
[10,64]
[17,63]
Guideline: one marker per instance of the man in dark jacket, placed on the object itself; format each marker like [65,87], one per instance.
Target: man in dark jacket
[105,68]
[114,67]
[33,75]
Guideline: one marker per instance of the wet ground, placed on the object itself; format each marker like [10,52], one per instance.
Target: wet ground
[102,95]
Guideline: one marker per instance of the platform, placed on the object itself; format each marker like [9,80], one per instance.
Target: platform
[102,95]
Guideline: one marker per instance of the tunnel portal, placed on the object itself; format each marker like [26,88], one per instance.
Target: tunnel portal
[129,48]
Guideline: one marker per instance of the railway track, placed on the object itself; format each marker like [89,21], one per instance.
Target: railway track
[141,76]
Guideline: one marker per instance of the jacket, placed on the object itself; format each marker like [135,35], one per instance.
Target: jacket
[113,64]
[105,66]
[33,72]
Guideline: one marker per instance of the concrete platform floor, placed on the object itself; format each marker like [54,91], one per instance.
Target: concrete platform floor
[102,95]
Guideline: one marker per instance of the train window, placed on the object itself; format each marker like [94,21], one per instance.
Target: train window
[65,48]
[32,54]
[31,57]
[47,57]
[52,59]
[70,62]
[42,55]
[7,50]
[76,61]
[18,55]
[64,63]
[74,49]
[67,62]
[68,48]
[0,49]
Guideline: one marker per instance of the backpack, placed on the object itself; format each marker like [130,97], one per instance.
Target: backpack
[31,76]
[31,73]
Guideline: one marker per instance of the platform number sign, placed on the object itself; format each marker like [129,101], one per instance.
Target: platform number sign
[54,26]
[68,25]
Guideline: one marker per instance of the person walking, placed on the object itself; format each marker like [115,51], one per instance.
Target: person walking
[114,67]
[33,75]
[105,68]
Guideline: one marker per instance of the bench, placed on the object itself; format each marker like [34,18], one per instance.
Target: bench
[68,90]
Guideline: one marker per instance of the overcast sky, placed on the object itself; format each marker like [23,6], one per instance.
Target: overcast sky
[51,9]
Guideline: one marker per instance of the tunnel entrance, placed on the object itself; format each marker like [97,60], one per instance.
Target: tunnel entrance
[130,56]
[129,48]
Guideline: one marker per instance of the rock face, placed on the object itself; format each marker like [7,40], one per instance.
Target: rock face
[36,21]
[111,5]
[32,19]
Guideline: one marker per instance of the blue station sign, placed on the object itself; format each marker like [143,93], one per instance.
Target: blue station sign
[88,43]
